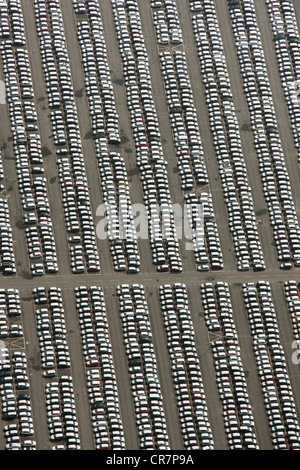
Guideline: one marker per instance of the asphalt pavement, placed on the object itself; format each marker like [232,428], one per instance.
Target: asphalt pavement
[108,279]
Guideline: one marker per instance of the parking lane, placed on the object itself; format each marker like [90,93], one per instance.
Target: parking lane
[148,276]
[46,135]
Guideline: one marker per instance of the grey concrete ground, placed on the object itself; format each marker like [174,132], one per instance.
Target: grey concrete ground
[108,279]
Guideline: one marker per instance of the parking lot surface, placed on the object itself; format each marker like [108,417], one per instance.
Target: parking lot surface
[149,225]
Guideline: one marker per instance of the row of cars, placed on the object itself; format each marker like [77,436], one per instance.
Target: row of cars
[120,216]
[17,434]
[144,122]
[10,309]
[291,292]
[81,247]
[58,127]
[118,224]
[11,330]
[51,329]
[226,138]
[100,370]
[271,365]
[1,172]
[7,262]
[286,42]
[88,327]
[185,366]
[106,423]
[183,116]
[142,367]
[71,165]
[167,24]
[26,141]
[16,410]
[110,115]
[16,24]
[27,94]
[19,372]
[271,158]
[161,28]
[79,7]
[45,227]
[230,375]
[61,414]
[204,231]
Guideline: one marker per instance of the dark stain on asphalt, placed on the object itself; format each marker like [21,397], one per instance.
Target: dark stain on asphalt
[124,138]
[45,151]
[245,127]
[35,360]
[133,171]
[89,135]
[261,212]
[26,274]
[79,93]
[118,81]
[20,224]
